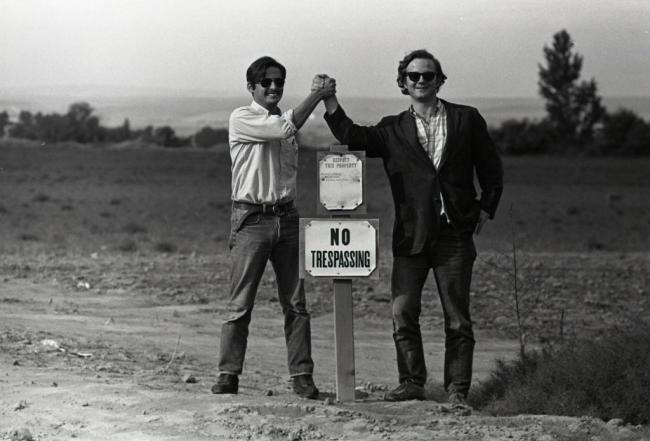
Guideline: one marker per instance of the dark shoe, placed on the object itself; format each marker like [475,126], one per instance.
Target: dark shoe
[456,399]
[226,384]
[304,386]
[405,391]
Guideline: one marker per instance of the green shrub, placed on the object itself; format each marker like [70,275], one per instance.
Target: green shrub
[605,378]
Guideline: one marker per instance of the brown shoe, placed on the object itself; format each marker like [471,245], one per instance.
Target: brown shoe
[226,384]
[303,385]
[405,391]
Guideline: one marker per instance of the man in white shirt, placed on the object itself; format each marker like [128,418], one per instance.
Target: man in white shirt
[264,223]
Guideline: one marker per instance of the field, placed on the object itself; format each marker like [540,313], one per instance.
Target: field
[119,255]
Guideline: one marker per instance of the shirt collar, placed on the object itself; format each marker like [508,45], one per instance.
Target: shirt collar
[258,108]
[436,111]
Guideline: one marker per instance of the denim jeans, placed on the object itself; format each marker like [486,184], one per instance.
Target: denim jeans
[451,257]
[256,239]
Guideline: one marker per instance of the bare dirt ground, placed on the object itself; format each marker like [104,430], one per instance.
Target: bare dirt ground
[113,281]
[129,364]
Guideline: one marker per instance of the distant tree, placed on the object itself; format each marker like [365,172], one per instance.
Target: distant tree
[144,135]
[25,127]
[164,136]
[117,134]
[572,108]
[85,127]
[53,127]
[4,121]
[623,133]
[208,137]
[80,111]
[126,129]
[522,137]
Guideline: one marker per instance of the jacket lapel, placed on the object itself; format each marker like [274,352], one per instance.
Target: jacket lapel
[410,133]
[452,122]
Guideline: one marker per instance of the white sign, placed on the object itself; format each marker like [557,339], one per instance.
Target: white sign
[340,180]
[340,248]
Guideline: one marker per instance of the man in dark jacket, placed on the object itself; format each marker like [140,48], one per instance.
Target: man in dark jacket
[431,153]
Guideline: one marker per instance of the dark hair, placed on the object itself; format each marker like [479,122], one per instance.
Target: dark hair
[257,69]
[420,53]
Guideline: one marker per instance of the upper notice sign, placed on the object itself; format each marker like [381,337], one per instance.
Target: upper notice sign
[339,247]
[340,181]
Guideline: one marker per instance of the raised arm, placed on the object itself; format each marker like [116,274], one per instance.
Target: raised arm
[367,138]
[302,111]
[330,101]
[248,126]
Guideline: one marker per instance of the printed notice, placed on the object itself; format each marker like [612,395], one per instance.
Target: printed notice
[340,181]
[340,248]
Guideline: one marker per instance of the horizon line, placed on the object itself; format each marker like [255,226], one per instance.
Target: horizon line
[108,91]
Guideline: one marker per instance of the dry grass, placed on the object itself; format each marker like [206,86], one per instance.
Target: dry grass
[559,204]
[605,378]
[582,227]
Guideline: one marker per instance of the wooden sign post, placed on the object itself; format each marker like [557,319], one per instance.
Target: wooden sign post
[341,248]
[344,339]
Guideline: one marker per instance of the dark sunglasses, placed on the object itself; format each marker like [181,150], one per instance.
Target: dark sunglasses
[415,76]
[266,82]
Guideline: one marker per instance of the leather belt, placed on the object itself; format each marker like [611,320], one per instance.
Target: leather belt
[278,209]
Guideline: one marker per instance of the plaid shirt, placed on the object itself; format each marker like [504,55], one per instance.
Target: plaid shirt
[432,134]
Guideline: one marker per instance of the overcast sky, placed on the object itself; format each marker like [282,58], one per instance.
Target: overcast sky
[488,48]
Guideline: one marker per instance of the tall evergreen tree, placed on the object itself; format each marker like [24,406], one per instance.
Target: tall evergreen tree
[572,108]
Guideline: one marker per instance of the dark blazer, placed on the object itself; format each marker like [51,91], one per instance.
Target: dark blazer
[416,185]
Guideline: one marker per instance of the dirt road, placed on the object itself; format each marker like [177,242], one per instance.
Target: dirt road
[89,352]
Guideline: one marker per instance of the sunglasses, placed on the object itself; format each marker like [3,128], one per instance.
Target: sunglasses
[415,76]
[266,82]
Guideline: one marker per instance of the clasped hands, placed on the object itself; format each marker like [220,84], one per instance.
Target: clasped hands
[324,85]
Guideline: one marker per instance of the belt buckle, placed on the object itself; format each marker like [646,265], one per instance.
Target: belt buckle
[279,209]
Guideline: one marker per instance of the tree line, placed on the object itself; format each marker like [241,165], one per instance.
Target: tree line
[79,124]
[576,122]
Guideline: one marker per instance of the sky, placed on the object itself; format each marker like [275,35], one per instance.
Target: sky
[488,48]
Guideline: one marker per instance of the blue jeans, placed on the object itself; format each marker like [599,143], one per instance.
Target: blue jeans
[451,257]
[255,239]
